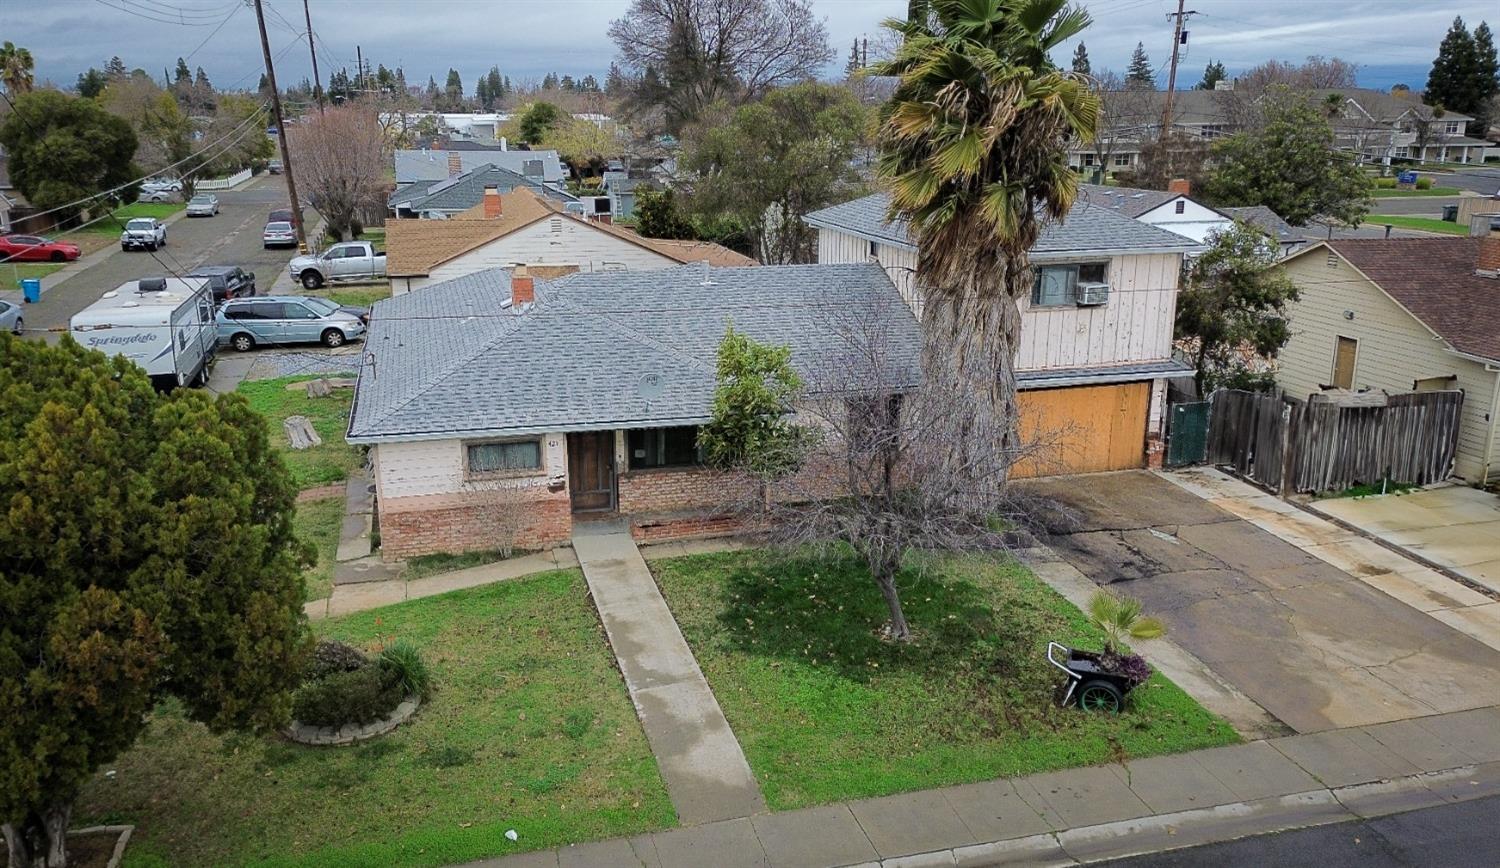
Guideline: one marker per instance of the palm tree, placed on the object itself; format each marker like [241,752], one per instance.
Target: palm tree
[1120,618]
[15,68]
[973,148]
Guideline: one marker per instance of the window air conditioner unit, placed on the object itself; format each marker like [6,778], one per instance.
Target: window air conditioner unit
[1093,294]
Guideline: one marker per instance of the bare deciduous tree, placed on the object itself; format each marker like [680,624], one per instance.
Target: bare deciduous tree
[880,475]
[341,160]
[708,50]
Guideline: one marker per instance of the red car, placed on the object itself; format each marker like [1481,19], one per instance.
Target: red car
[34,248]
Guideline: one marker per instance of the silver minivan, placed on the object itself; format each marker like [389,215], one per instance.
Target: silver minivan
[246,323]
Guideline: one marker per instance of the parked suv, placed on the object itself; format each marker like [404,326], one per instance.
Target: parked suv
[227,281]
[148,233]
[287,319]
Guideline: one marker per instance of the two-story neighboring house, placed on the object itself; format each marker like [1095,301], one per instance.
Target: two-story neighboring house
[1096,333]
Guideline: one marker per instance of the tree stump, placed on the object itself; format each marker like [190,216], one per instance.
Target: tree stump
[300,433]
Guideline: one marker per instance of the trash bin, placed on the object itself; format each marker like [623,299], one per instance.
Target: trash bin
[31,289]
[1450,213]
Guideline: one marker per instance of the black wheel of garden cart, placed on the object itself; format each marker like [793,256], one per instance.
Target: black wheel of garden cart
[1100,695]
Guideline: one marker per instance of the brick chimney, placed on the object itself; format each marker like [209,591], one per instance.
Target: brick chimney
[1487,263]
[455,164]
[522,289]
[493,207]
[1180,186]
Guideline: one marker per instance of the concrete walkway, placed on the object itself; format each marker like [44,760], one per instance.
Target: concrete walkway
[1099,812]
[706,773]
[372,595]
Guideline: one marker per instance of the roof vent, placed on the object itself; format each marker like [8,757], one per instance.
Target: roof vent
[151,284]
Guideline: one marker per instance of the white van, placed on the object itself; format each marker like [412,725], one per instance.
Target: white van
[164,324]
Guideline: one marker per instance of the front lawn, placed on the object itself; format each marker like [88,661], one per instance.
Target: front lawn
[530,729]
[422,566]
[826,710]
[362,296]
[319,522]
[12,273]
[333,460]
[1425,224]
[1401,194]
[112,227]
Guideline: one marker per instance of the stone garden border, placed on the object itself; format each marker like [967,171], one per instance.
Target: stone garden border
[349,733]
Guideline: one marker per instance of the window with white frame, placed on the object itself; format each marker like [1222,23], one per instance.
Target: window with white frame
[503,457]
[1122,160]
[1453,128]
[1057,285]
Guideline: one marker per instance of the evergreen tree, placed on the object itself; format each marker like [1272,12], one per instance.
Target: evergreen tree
[1140,73]
[115,68]
[852,66]
[495,85]
[567,83]
[614,82]
[200,80]
[482,93]
[1486,80]
[589,84]
[1081,60]
[1451,83]
[549,81]
[1212,75]
[400,81]
[453,91]
[183,75]
[91,84]
[431,92]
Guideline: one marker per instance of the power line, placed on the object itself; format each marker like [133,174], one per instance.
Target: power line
[213,33]
[144,14]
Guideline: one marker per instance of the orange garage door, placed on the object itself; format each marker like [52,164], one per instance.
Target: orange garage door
[1084,429]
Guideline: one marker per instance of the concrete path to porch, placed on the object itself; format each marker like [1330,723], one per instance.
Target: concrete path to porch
[1303,617]
[700,759]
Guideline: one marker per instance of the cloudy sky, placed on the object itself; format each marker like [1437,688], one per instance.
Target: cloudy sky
[1392,40]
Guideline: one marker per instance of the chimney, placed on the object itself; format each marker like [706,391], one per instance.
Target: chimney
[1487,263]
[455,164]
[492,205]
[522,290]
[1180,186]
[503,144]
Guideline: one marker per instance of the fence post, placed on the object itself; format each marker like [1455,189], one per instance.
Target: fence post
[1287,441]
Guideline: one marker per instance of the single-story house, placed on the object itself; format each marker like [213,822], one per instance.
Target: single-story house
[447,197]
[620,188]
[434,165]
[1175,210]
[1403,314]
[1096,330]
[521,227]
[496,403]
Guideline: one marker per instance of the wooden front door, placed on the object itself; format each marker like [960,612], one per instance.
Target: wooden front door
[591,470]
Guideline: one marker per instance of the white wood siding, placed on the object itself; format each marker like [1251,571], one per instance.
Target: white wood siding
[426,468]
[1394,348]
[550,241]
[1135,326]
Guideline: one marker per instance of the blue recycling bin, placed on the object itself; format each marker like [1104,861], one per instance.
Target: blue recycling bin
[31,289]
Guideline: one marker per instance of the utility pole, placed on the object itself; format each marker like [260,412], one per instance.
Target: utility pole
[1179,16]
[359,69]
[286,154]
[317,82]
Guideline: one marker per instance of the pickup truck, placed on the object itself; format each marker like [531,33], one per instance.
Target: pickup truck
[147,233]
[346,262]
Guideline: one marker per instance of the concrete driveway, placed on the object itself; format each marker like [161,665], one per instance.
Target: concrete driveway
[1312,644]
[1453,526]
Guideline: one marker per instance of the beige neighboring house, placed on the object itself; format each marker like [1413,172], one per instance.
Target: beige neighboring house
[519,227]
[1096,330]
[1403,314]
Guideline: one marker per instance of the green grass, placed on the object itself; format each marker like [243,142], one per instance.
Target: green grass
[357,297]
[159,210]
[828,711]
[12,273]
[530,728]
[422,566]
[1370,489]
[332,461]
[1401,194]
[1425,224]
[319,522]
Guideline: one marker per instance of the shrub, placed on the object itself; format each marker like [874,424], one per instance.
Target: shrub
[331,656]
[1133,666]
[1424,183]
[1385,183]
[403,659]
[363,695]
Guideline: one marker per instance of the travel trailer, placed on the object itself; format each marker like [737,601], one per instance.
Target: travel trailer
[164,324]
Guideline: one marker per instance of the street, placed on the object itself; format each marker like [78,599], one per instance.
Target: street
[1456,835]
[230,238]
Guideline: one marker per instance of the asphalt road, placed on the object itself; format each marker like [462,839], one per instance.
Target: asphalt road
[1459,835]
[230,238]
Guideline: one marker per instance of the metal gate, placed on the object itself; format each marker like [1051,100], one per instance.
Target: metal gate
[1187,438]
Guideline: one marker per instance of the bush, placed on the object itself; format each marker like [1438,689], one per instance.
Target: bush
[1424,183]
[1133,667]
[1385,183]
[405,661]
[363,695]
[331,656]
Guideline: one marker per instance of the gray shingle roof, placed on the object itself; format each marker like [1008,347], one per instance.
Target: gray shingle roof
[467,190]
[1268,221]
[1087,229]
[453,359]
[432,165]
[1130,201]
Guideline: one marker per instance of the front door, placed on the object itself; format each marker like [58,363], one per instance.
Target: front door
[591,470]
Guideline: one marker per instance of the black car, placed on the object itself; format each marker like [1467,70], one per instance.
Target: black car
[227,281]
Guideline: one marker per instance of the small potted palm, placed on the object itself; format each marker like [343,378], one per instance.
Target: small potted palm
[1101,681]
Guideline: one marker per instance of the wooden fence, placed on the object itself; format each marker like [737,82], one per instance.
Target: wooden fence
[1286,444]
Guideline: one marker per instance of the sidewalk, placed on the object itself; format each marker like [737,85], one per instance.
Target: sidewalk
[79,265]
[706,773]
[1100,812]
[371,595]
